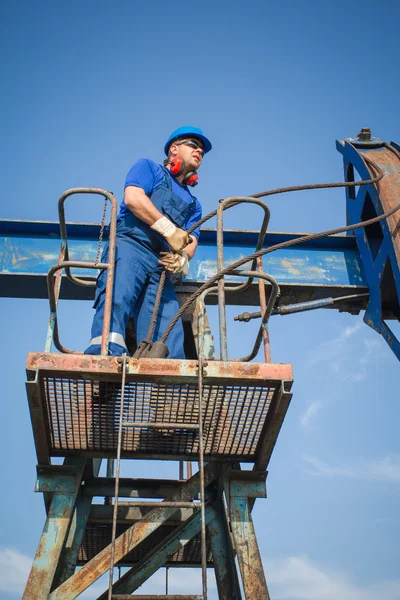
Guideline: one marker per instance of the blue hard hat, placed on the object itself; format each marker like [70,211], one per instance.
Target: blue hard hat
[188,132]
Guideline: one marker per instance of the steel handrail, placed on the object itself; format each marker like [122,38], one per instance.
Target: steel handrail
[63,225]
[68,264]
[274,295]
[224,204]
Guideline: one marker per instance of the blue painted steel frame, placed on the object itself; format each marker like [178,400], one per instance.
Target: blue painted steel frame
[372,266]
[29,249]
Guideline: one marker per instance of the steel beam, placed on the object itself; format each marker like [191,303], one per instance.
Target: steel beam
[158,597]
[38,419]
[273,423]
[317,269]
[100,513]
[131,488]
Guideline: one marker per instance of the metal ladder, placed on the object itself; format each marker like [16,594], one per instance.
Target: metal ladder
[200,505]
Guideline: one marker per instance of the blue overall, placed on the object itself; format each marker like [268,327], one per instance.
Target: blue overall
[137,274]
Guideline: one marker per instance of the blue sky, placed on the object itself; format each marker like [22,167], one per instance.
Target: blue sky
[88,88]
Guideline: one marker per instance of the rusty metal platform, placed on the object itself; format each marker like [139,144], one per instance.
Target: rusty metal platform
[98,536]
[75,404]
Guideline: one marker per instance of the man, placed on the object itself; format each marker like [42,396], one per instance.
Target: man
[157,210]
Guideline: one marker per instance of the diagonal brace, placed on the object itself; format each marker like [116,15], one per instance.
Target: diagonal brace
[159,555]
[128,540]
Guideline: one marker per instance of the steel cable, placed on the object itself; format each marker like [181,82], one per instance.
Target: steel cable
[299,188]
[150,333]
[305,238]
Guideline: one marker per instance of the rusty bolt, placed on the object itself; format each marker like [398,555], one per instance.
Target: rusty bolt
[365,134]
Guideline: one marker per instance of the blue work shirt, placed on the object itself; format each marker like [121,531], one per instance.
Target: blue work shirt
[148,175]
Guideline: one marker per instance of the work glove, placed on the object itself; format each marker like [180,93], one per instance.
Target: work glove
[175,263]
[177,238]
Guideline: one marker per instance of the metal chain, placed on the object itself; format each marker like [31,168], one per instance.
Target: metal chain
[103,224]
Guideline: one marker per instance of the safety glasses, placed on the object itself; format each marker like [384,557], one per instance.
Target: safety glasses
[193,144]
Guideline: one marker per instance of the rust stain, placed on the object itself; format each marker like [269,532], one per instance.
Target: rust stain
[388,191]
[90,365]
[291,268]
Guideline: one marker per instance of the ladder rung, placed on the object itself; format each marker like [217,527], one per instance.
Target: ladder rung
[158,425]
[169,597]
[165,504]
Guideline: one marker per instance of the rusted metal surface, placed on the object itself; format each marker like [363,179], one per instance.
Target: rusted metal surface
[94,367]
[388,189]
[134,535]
[117,474]
[130,487]
[272,426]
[166,424]
[263,307]
[224,204]
[372,211]
[83,409]
[128,514]
[56,293]
[201,473]
[248,554]
[37,411]
[153,597]
[150,563]
[54,532]
[275,292]
[98,536]
[240,487]
[223,556]
[67,264]
[53,276]
[202,335]
[69,557]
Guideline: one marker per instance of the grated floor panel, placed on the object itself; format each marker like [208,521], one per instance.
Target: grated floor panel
[80,405]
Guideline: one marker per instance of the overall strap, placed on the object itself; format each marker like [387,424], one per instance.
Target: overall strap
[167,177]
[168,181]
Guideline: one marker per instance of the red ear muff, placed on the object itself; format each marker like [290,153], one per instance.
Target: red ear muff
[191,179]
[177,166]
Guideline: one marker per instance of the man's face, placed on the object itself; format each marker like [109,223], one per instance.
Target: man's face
[191,150]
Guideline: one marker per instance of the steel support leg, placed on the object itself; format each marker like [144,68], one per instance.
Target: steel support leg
[69,557]
[251,568]
[224,562]
[64,483]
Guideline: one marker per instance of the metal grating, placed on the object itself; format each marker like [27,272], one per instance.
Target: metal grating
[83,415]
[98,536]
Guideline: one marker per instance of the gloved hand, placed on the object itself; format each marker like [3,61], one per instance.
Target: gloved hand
[177,238]
[175,263]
